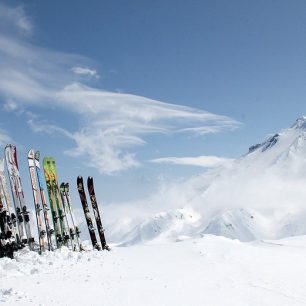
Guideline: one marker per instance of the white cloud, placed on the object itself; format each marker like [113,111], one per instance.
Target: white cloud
[10,105]
[111,124]
[115,122]
[212,128]
[85,71]
[47,128]
[105,151]
[15,16]
[201,161]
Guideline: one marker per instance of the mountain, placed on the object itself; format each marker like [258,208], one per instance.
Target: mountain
[261,195]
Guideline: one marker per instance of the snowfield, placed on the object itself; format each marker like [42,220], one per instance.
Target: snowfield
[210,270]
[235,235]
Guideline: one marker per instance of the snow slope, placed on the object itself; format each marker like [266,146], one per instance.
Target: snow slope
[206,271]
[165,251]
[258,196]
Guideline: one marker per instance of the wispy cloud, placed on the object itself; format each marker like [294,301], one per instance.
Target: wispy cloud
[47,128]
[201,161]
[212,127]
[111,124]
[116,122]
[16,17]
[85,71]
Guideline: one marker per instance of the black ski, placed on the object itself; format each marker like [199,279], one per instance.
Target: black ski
[91,229]
[6,245]
[95,208]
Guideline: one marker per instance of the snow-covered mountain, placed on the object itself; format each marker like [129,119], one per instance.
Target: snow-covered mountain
[260,195]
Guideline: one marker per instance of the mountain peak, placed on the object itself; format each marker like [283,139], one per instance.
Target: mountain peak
[270,142]
[300,123]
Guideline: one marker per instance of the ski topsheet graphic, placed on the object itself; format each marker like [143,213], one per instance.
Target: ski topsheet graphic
[51,188]
[23,218]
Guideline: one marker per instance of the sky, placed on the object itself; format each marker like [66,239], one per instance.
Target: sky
[141,93]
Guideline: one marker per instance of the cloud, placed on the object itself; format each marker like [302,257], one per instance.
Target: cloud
[109,125]
[212,128]
[47,128]
[85,71]
[115,122]
[201,161]
[10,105]
[105,152]
[16,17]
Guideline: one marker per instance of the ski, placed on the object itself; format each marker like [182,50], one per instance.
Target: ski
[61,210]
[73,229]
[84,202]
[52,201]
[77,230]
[49,229]
[11,216]
[95,209]
[6,243]
[52,172]
[38,209]
[18,196]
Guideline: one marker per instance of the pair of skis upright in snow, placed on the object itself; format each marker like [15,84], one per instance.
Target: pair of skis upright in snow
[22,231]
[9,236]
[66,230]
[45,230]
[74,231]
[95,208]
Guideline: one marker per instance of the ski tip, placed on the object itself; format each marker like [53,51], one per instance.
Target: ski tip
[31,154]
[37,155]
[8,145]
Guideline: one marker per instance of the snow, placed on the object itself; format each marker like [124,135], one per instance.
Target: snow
[206,271]
[260,195]
[235,235]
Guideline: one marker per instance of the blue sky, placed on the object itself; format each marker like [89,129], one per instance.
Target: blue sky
[114,89]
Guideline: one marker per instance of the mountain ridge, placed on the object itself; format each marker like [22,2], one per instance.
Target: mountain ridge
[261,195]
